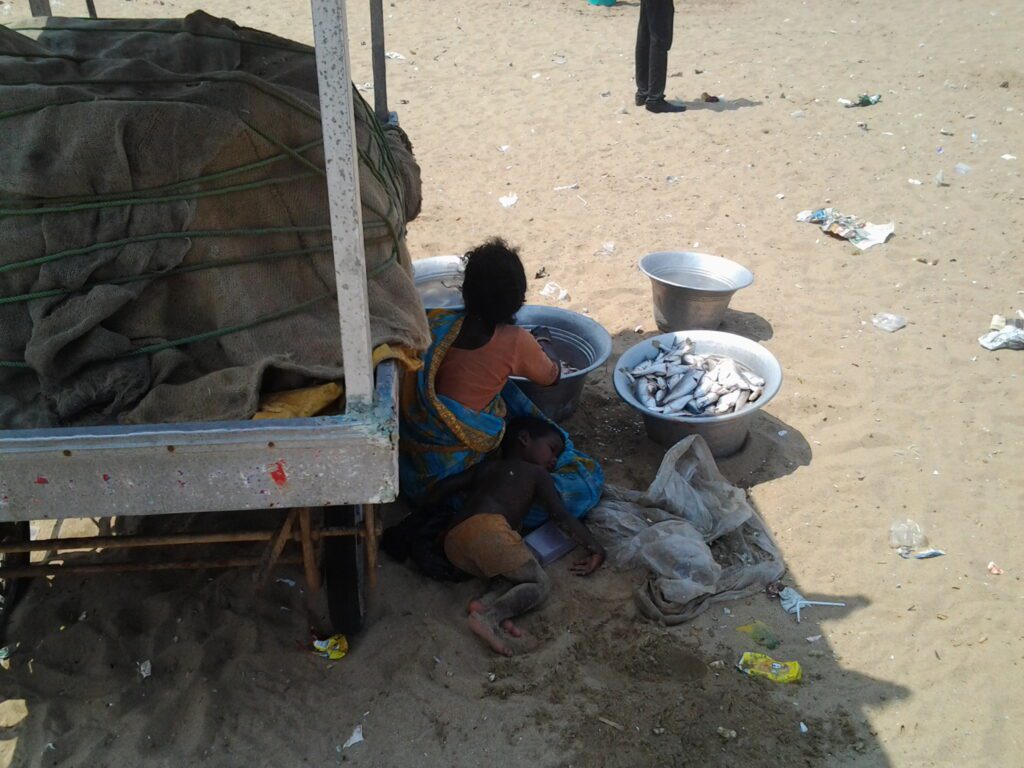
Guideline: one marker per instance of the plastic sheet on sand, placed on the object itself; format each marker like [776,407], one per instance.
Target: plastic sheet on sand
[695,534]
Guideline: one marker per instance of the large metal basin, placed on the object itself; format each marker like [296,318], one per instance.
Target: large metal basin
[439,281]
[725,434]
[692,290]
[580,341]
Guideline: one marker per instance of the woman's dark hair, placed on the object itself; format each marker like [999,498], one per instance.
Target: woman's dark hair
[494,285]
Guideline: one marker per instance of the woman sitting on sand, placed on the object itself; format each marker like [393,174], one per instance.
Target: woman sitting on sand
[454,409]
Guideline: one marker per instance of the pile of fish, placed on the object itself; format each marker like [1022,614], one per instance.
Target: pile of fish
[678,382]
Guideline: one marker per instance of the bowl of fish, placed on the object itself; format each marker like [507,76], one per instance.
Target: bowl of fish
[708,383]
[439,281]
[692,290]
[581,344]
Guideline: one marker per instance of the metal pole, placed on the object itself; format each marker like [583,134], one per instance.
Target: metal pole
[380,75]
[51,569]
[166,540]
[91,7]
[330,34]
[39,7]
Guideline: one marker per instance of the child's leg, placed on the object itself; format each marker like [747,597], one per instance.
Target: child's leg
[530,587]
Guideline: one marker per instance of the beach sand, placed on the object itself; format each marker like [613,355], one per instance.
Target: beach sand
[923,666]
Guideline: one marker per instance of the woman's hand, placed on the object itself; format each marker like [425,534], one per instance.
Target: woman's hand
[541,334]
[588,565]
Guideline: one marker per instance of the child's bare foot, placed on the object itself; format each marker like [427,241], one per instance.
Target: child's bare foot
[476,605]
[511,628]
[485,630]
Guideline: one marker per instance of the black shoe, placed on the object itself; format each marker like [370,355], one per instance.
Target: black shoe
[662,106]
[640,99]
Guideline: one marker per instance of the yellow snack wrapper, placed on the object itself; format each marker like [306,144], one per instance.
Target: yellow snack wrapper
[334,647]
[762,665]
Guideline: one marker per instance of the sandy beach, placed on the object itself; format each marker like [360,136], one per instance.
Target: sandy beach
[924,665]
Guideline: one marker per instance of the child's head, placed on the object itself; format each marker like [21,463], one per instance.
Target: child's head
[533,440]
[494,285]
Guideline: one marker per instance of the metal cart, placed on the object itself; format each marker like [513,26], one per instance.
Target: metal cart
[343,464]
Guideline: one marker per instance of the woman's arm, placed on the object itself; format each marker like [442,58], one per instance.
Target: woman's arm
[536,359]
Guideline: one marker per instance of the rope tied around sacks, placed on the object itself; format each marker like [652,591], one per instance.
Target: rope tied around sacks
[380,223]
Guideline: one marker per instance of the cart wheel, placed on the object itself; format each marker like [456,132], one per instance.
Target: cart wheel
[345,572]
[10,589]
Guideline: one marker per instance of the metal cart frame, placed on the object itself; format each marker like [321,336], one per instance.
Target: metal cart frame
[347,461]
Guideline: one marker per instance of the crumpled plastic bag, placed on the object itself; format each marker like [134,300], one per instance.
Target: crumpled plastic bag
[695,534]
[1010,337]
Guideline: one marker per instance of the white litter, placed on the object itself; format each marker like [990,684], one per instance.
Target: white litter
[145,668]
[507,201]
[962,168]
[793,602]
[574,185]
[395,55]
[286,582]
[886,321]
[355,738]
[504,148]
[915,182]
[554,291]
[607,248]
[803,728]
[813,638]
[1008,157]
[1010,337]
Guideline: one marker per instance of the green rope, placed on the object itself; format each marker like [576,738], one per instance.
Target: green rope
[197,267]
[131,201]
[175,185]
[285,149]
[293,47]
[216,334]
[150,238]
[244,78]
[150,349]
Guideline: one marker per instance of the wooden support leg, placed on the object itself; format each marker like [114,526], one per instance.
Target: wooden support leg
[273,551]
[313,578]
[370,542]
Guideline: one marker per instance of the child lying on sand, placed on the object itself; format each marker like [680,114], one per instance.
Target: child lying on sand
[483,539]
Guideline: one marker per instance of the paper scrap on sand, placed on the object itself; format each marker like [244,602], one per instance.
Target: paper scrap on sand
[355,738]
[862,234]
[507,201]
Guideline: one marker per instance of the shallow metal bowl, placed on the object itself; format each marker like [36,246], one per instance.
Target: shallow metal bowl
[439,281]
[724,434]
[580,341]
[692,290]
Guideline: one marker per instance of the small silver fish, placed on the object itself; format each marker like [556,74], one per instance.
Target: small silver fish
[703,402]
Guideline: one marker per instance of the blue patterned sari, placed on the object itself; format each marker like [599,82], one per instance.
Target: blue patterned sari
[441,438]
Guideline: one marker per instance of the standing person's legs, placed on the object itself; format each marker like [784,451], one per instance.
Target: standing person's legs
[643,55]
[660,15]
[530,588]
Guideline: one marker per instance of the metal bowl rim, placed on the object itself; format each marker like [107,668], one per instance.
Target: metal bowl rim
[438,263]
[748,276]
[603,348]
[696,336]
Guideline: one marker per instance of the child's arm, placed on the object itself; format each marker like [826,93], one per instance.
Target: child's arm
[548,496]
[450,485]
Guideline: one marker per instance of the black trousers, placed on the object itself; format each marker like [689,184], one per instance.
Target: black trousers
[653,41]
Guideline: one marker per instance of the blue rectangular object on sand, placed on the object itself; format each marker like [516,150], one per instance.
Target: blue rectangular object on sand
[548,543]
